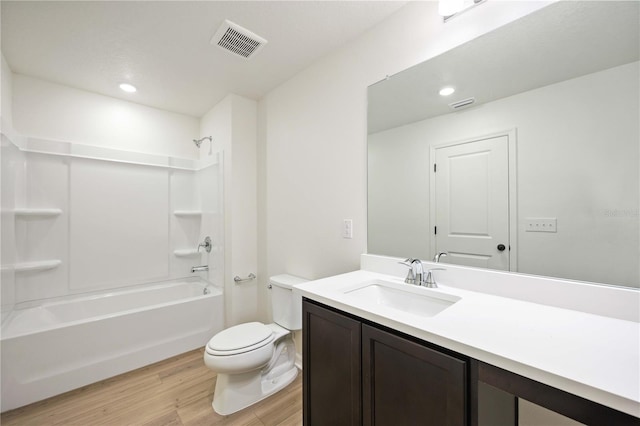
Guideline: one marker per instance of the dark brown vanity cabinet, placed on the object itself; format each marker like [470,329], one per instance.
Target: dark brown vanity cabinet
[357,373]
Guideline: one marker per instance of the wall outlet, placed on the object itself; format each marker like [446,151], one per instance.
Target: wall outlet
[347,228]
[540,224]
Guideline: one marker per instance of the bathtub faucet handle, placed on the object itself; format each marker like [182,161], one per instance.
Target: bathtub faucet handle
[206,244]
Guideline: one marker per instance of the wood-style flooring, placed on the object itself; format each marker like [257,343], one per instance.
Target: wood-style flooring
[177,391]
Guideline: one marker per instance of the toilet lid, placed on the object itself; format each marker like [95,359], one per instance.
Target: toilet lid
[243,336]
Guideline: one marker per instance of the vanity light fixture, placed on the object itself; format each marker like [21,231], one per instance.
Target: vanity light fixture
[447,91]
[450,8]
[129,88]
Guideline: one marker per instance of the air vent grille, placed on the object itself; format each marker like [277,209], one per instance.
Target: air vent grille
[462,104]
[237,40]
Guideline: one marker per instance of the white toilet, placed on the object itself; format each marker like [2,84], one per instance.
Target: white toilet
[254,360]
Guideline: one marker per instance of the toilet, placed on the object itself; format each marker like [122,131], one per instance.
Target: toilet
[255,360]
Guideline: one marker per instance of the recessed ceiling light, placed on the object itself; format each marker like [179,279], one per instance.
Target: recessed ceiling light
[128,87]
[446,91]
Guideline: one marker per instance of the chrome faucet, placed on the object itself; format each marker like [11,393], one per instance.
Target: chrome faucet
[199,268]
[417,275]
[436,258]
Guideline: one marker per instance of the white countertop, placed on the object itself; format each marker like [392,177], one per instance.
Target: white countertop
[592,356]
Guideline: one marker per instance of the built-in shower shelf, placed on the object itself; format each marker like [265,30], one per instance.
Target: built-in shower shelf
[37,212]
[188,213]
[41,265]
[186,253]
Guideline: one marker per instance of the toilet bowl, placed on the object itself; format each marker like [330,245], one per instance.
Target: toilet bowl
[255,360]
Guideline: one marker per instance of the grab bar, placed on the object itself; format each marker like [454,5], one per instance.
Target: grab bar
[239,280]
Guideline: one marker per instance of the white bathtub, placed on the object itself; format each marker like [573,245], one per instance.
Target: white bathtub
[62,345]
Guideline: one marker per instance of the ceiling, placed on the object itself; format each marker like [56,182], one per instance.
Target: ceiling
[163,47]
[558,42]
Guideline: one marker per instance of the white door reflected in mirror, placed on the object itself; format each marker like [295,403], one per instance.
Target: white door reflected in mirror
[472,202]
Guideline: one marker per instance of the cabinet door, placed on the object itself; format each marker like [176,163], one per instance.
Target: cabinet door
[331,367]
[405,383]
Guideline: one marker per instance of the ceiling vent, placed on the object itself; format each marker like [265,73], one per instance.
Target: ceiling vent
[462,104]
[237,40]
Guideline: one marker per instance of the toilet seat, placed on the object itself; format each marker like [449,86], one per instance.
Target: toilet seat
[240,339]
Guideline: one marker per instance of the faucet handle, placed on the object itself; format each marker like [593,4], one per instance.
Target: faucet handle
[429,281]
[206,244]
[411,278]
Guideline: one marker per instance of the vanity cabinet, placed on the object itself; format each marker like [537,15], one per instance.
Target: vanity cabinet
[359,373]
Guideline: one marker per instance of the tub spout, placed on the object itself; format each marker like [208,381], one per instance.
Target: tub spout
[199,268]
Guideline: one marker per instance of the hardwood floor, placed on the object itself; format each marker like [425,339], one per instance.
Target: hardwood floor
[174,392]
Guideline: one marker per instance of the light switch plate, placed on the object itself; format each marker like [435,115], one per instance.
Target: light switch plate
[347,228]
[540,224]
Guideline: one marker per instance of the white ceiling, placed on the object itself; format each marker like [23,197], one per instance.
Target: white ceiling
[163,47]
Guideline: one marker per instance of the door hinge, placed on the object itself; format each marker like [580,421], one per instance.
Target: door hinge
[434,167]
[435,230]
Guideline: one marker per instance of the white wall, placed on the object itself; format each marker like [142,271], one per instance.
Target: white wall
[314,141]
[567,134]
[232,124]
[243,192]
[9,158]
[51,111]
[6,88]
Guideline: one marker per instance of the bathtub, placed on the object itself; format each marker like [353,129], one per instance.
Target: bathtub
[65,344]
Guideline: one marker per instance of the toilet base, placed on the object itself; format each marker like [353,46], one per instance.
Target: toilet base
[237,391]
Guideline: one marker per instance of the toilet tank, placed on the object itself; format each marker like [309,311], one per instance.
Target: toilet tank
[287,308]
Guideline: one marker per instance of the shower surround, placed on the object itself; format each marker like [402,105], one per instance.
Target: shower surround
[83,223]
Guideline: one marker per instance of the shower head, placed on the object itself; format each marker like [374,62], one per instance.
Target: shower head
[198,142]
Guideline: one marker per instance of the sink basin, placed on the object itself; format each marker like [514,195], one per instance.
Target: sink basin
[402,297]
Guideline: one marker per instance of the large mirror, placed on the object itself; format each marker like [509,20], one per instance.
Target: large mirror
[532,164]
